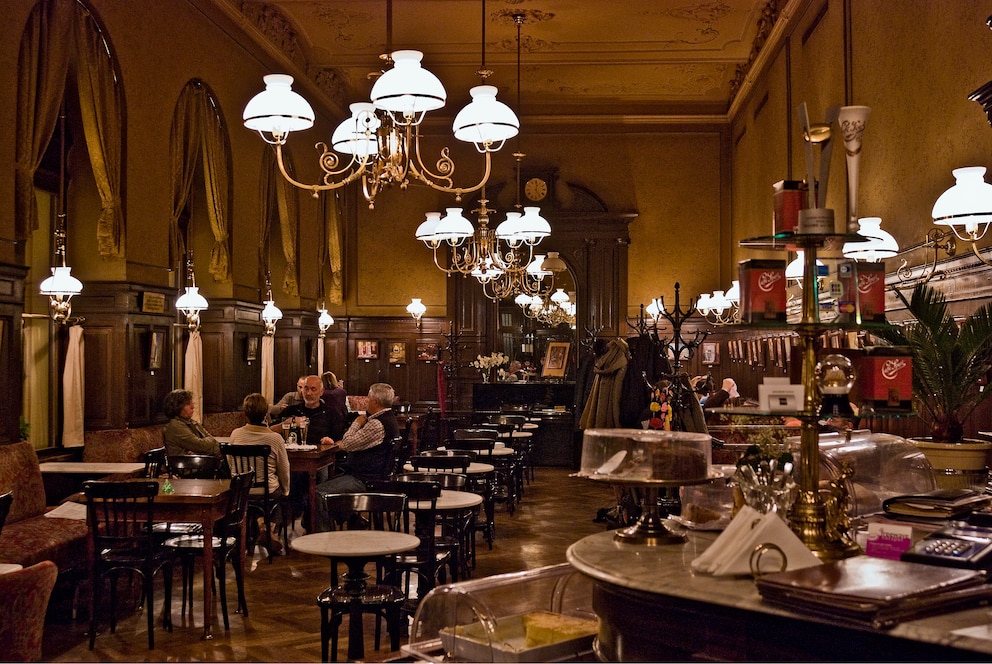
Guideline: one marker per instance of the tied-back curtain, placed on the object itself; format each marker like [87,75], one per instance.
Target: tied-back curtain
[268,368]
[73,389]
[99,104]
[43,62]
[279,201]
[59,33]
[193,372]
[333,232]
[198,130]
[320,356]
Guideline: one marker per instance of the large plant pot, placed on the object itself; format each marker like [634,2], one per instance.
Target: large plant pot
[957,465]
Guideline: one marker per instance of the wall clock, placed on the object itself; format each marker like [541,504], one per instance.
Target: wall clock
[536,189]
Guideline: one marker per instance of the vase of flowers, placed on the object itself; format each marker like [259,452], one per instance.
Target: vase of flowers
[487,364]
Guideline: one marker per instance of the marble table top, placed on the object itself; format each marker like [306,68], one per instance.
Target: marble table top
[497,451]
[473,468]
[90,467]
[450,500]
[355,543]
[665,570]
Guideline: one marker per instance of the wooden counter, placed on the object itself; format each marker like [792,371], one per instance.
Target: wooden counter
[652,607]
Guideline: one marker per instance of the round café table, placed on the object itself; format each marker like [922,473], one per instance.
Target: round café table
[356,547]
[502,450]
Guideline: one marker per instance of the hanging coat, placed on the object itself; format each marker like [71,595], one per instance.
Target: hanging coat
[602,409]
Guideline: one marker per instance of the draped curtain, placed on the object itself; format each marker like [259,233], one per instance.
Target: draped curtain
[279,199]
[198,130]
[333,232]
[60,32]
[73,389]
[193,372]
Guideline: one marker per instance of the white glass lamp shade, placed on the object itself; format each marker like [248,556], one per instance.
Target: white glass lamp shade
[967,206]
[324,320]
[536,269]
[453,227]
[416,308]
[879,246]
[271,314]
[534,227]
[487,271]
[718,302]
[191,301]
[794,270]
[703,303]
[511,229]
[733,296]
[408,91]
[522,300]
[357,134]
[278,110]
[485,121]
[654,309]
[427,230]
[559,297]
[553,263]
[61,283]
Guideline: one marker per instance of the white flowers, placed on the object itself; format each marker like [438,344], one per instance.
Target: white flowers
[489,361]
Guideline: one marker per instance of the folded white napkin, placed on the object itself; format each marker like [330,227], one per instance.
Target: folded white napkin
[731,553]
[68,510]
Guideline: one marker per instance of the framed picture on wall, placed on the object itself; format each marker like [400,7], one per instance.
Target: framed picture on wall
[251,349]
[156,346]
[427,352]
[367,349]
[555,359]
[711,352]
[397,352]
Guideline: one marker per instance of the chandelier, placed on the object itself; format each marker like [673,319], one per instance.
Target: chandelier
[553,310]
[717,308]
[380,142]
[271,314]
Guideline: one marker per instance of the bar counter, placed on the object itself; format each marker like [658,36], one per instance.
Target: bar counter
[653,607]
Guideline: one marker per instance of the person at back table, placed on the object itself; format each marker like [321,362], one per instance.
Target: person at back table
[335,396]
[255,407]
[368,444]
[183,434]
[326,425]
[288,399]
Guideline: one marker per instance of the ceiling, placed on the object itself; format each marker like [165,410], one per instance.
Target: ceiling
[579,58]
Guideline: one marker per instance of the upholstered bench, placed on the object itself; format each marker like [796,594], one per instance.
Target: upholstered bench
[28,537]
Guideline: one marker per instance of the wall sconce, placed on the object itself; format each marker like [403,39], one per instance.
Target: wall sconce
[271,314]
[937,239]
[191,303]
[966,207]
[416,308]
[324,321]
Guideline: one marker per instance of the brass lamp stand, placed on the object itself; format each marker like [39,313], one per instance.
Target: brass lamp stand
[808,517]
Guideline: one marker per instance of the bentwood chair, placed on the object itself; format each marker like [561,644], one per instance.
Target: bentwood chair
[196,466]
[121,518]
[362,511]
[6,500]
[255,459]
[25,594]
[155,462]
[228,545]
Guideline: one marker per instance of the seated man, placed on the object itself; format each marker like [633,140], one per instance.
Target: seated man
[289,399]
[367,442]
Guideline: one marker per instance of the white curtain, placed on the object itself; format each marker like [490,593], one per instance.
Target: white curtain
[268,368]
[193,373]
[320,356]
[73,390]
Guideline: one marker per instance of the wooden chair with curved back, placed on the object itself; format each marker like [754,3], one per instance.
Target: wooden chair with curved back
[254,459]
[361,511]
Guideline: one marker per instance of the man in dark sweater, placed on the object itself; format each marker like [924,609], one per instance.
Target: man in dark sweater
[368,442]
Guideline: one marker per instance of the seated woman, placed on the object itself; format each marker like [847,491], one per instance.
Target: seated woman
[255,407]
[183,434]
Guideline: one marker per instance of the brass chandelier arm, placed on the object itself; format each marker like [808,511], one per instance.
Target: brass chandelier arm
[974,247]
[328,163]
[443,179]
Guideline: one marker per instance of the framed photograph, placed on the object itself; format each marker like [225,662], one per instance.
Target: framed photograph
[555,359]
[397,352]
[156,346]
[251,348]
[427,352]
[711,352]
[367,350]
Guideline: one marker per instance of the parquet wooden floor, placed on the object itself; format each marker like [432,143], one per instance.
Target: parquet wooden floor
[284,622]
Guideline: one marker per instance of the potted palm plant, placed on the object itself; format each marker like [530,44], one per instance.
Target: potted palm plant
[951,361]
